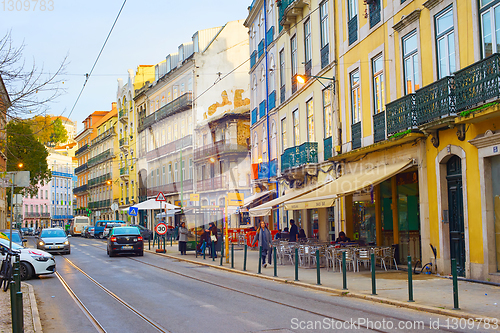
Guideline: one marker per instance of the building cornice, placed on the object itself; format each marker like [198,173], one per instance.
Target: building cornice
[407,20]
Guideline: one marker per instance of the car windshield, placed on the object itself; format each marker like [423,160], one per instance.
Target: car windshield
[15,235]
[5,243]
[125,231]
[53,233]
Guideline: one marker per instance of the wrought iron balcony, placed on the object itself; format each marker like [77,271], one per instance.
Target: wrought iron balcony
[262,109]
[124,172]
[478,83]
[170,147]
[379,126]
[80,189]
[100,204]
[289,10]
[352,27]
[62,217]
[32,214]
[306,153]
[175,187]
[103,136]
[401,114]
[254,116]
[101,157]
[437,100]
[356,135]
[327,148]
[44,215]
[214,183]
[123,142]
[81,168]
[253,59]
[123,115]
[325,55]
[217,149]
[179,104]
[81,150]
[272,100]
[99,180]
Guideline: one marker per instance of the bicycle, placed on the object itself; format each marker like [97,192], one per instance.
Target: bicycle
[6,270]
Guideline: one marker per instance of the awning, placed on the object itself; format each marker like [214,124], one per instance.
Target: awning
[153,204]
[254,198]
[325,195]
[265,209]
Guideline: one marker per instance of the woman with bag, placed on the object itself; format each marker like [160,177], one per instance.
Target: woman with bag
[213,238]
[264,236]
[183,237]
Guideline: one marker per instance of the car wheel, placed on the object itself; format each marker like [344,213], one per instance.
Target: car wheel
[111,254]
[26,271]
[68,252]
[140,254]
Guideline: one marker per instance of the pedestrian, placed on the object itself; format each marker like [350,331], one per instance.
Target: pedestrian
[183,237]
[212,230]
[264,236]
[302,235]
[342,238]
[294,231]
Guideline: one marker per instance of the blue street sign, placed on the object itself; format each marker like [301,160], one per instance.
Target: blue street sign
[132,211]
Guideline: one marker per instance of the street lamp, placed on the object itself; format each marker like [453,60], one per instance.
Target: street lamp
[301,78]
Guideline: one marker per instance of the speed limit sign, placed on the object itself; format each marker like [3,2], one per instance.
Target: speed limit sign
[161,228]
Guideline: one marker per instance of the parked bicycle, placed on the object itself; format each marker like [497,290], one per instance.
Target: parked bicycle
[6,270]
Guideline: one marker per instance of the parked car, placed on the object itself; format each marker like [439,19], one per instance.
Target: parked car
[101,225]
[91,232]
[17,236]
[33,262]
[110,226]
[54,240]
[125,240]
[25,231]
[30,231]
[145,232]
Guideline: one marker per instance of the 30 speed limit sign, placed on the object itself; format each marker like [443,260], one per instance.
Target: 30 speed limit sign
[161,228]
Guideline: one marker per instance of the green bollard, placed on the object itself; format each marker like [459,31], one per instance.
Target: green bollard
[410,281]
[274,262]
[344,272]
[232,255]
[455,284]
[13,306]
[245,258]
[204,249]
[296,264]
[213,250]
[149,244]
[318,278]
[19,312]
[260,260]
[164,247]
[374,287]
[171,238]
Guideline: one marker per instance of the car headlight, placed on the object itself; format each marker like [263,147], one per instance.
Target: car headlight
[66,243]
[40,258]
[41,243]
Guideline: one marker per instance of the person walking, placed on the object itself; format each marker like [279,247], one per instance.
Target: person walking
[183,237]
[264,236]
[294,231]
[212,230]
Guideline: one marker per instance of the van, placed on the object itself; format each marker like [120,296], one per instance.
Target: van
[101,225]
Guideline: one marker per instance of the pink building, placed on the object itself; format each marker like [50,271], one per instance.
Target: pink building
[36,210]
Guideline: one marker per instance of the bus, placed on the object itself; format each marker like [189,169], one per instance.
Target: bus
[78,224]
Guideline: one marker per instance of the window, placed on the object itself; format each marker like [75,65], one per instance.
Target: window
[490,21]
[310,120]
[378,84]
[410,63]
[352,24]
[282,68]
[170,173]
[272,153]
[323,16]
[445,42]
[352,8]
[355,97]
[327,112]
[176,172]
[164,176]
[293,46]
[183,170]
[296,130]
[284,144]
[190,168]
[307,40]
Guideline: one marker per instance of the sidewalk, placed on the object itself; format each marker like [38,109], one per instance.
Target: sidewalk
[30,310]
[430,292]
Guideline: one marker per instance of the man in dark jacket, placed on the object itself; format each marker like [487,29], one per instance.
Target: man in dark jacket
[294,231]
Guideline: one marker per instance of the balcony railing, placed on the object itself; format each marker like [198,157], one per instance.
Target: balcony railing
[101,157]
[170,147]
[260,49]
[435,101]
[45,215]
[217,149]
[124,171]
[352,27]
[253,59]
[99,180]
[100,204]
[175,187]
[356,135]
[306,153]
[214,183]
[282,94]
[123,142]
[81,168]
[325,55]
[379,126]
[80,189]
[270,35]
[179,104]
[272,100]
[401,114]
[62,217]
[478,83]
[288,10]
[123,114]
[307,69]
[262,109]
[103,136]
[32,214]
[254,116]
[81,149]
[327,148]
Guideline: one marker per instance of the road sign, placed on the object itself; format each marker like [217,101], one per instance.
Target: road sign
[160,197]
[132,211]
[194,197]
[235,199]
[161,228]
[114,206]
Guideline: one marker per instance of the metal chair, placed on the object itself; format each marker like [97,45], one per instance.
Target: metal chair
[388,254]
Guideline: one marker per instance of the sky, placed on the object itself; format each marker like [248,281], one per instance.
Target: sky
[146,31]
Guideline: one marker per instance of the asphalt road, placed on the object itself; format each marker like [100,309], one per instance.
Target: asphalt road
[200,299]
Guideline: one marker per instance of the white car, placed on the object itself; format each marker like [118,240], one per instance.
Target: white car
[33,262]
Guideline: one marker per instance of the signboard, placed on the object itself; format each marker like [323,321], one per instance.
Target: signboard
[20,179]
[132,211]
[235,199]
[161,228]
[194,197]
[114,206]
[160,197]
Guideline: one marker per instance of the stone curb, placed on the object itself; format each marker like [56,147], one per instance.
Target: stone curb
[37,324]
[339,292]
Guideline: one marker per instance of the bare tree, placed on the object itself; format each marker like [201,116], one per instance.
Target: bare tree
[30,89]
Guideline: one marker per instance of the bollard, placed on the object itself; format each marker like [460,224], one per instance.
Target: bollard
[204,249]
[455,284]
[149,243]
[213,250]
[274,262]
[296,264]
[410,281]
[171,238]
[164,247]
[260,260]
[13,306]
[17,274]
[374,287]
[245,259]
[317,268]
[222,252]
[19,312]
[232,255]
[344,272]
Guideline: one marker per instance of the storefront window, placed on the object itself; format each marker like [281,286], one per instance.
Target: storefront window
[495,180]
[363,215]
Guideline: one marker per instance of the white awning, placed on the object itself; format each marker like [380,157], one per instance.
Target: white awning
[255,197]
[153,204]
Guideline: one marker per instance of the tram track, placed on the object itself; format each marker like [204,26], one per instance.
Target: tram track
[272,300]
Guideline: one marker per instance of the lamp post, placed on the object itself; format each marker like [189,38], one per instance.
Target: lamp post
[12,185]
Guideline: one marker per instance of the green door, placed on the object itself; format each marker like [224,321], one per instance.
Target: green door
[456,213]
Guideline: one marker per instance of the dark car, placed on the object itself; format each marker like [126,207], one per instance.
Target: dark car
[17,236]
[125,240]
[145,232]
